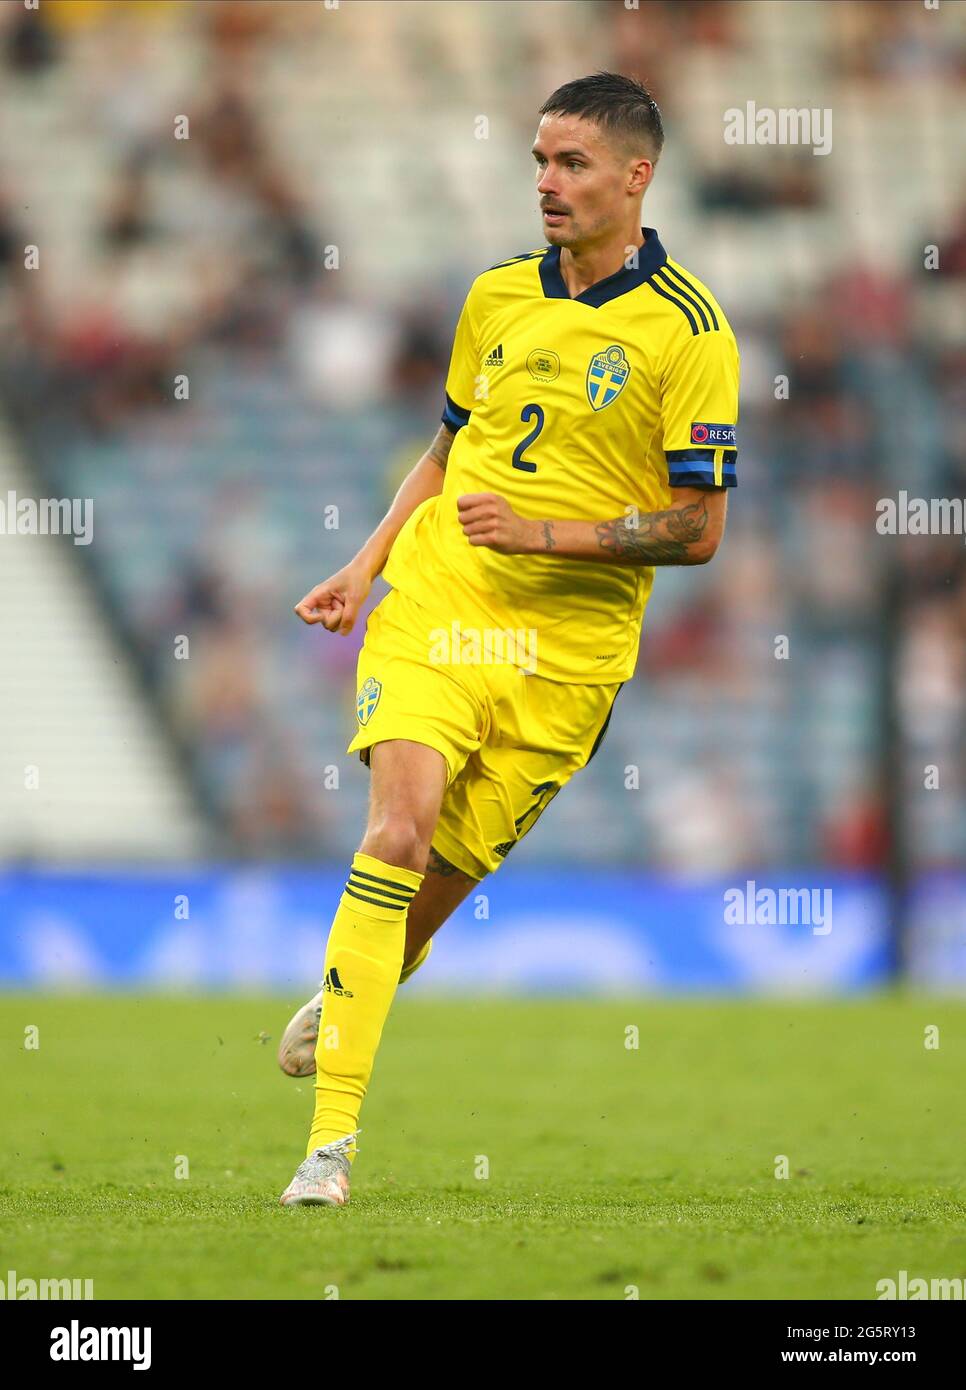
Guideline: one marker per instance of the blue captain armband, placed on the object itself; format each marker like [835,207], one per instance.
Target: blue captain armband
[454,417]
[696,468]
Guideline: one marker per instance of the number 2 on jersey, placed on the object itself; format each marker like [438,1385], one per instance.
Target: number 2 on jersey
[528,413]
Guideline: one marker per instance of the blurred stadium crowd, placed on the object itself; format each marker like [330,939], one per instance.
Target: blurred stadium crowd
[301,259]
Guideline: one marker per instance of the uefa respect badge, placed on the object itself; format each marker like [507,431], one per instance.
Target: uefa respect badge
[713,435]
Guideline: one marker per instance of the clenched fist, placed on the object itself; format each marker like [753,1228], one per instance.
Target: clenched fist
[335,603]
[488,519]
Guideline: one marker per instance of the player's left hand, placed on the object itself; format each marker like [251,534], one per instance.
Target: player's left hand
[488,519]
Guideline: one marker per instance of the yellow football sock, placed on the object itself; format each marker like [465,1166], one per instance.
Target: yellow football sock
[363,960]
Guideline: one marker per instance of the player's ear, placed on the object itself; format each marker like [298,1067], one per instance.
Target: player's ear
[642,172]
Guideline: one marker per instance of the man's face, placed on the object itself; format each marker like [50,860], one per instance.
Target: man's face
[582,181]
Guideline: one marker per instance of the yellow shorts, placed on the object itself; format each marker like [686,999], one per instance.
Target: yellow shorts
[511,740]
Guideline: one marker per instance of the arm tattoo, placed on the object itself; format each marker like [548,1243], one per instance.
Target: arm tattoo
[438,451]
[436,864]
[659,538]
[549,541]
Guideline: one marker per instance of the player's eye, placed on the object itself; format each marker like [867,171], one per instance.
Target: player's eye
[574,164]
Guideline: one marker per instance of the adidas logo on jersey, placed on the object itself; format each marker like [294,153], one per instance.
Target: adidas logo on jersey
[334,985]
[495,358]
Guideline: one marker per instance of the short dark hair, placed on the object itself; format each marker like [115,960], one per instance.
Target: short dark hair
[620,105]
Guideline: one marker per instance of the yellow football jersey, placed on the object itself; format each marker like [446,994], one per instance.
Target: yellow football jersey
[572,409]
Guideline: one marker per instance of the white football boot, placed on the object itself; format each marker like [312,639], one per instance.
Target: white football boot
[322,1179]
[296,1051]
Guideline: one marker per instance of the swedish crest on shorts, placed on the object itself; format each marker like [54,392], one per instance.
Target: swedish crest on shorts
[607,376]
[367,699]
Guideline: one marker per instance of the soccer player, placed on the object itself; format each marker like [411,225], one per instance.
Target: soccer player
[588,437]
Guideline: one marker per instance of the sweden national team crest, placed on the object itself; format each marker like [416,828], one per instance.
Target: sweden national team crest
[607,376]
[367,699]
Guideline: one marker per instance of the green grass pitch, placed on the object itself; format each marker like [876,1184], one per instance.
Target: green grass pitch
[609,1166]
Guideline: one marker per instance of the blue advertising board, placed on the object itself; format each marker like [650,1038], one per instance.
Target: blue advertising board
[525,931]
